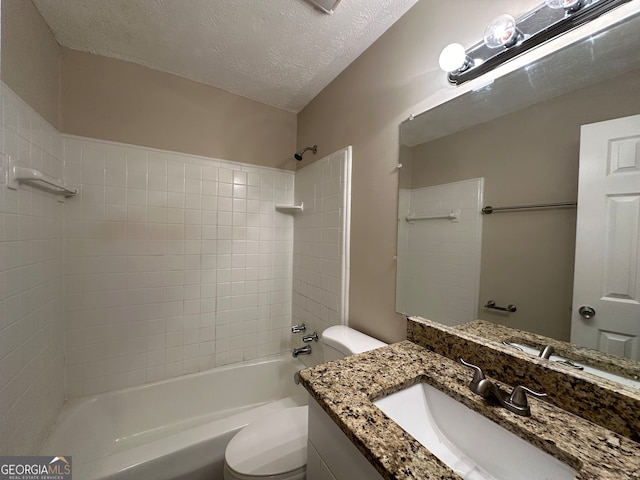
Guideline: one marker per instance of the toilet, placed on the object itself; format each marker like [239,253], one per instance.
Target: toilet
[275,447]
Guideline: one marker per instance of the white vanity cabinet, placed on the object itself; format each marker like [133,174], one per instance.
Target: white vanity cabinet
[330,454]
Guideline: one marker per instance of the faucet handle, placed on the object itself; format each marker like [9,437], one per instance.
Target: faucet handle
[298,328]
[310,338]
[519,397]
[478,375]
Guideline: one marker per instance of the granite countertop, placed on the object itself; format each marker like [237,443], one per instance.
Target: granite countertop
[501,333]
[346,388]
[608,404]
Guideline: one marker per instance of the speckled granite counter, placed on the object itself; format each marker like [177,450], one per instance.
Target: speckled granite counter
[347,387]
[501,333]
[608,404]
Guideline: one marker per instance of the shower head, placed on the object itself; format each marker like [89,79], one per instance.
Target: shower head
[298,155]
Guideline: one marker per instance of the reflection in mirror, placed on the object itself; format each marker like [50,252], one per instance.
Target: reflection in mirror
[514,142]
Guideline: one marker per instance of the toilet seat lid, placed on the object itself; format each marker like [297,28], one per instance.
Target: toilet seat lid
[273,445]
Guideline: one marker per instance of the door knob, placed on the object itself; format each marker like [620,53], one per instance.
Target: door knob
[586,311]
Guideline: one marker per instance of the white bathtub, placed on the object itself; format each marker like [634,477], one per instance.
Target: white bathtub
[174,429]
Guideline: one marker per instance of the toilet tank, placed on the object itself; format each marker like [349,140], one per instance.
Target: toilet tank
[340,341]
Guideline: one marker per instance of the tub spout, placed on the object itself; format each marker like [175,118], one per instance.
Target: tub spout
[306,350]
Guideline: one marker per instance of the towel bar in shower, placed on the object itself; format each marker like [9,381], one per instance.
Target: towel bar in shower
[489,209]
[453,215]
[18,174]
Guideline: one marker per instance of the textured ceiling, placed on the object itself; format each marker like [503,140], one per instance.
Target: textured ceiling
[278,52]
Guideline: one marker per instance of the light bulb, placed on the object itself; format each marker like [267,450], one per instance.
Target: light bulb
[566,4]
[501,32]
[453,57]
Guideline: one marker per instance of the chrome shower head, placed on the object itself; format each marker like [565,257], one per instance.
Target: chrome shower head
[298,155]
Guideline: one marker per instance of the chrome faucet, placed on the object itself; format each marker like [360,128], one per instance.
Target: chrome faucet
[298,328]
[546,352]
[306,350]
[310,338]
[516,402]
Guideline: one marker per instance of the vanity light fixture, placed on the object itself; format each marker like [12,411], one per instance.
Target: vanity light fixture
[502,32]
[505,37]
[453,57]
[566,4]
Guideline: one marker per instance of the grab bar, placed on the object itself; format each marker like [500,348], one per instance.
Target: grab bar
[512,345]
[509,308]
[453,215]
[489,209]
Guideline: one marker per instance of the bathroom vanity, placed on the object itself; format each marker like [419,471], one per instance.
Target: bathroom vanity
[374,414]
[342,400]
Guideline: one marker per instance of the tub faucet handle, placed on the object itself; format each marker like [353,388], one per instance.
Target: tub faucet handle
[310,338]
[298,328]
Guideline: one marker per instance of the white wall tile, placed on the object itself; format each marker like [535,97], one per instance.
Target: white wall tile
[442,280]
[173,264]
[31,285]
[320,260]
[164,254]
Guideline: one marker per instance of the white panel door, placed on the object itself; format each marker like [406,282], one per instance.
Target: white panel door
[607,268]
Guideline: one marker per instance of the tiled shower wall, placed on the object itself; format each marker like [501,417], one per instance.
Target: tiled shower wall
[174,264]
[31,283]
[321,247]
[441,280]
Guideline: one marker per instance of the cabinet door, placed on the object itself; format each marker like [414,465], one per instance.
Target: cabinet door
[316,468]
[341,459]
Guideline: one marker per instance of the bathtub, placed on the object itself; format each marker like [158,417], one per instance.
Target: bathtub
[173,429]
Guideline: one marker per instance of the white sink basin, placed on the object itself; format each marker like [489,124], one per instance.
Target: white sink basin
[471,445]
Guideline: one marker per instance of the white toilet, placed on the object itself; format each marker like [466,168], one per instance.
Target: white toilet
[275,447]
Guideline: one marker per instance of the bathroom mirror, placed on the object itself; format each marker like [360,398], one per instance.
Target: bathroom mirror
[513,142]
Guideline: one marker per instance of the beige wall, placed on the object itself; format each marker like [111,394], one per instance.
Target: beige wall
[114,100]
[30,58]
[528,157]
[363,107]
[527,257]
[109,99]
